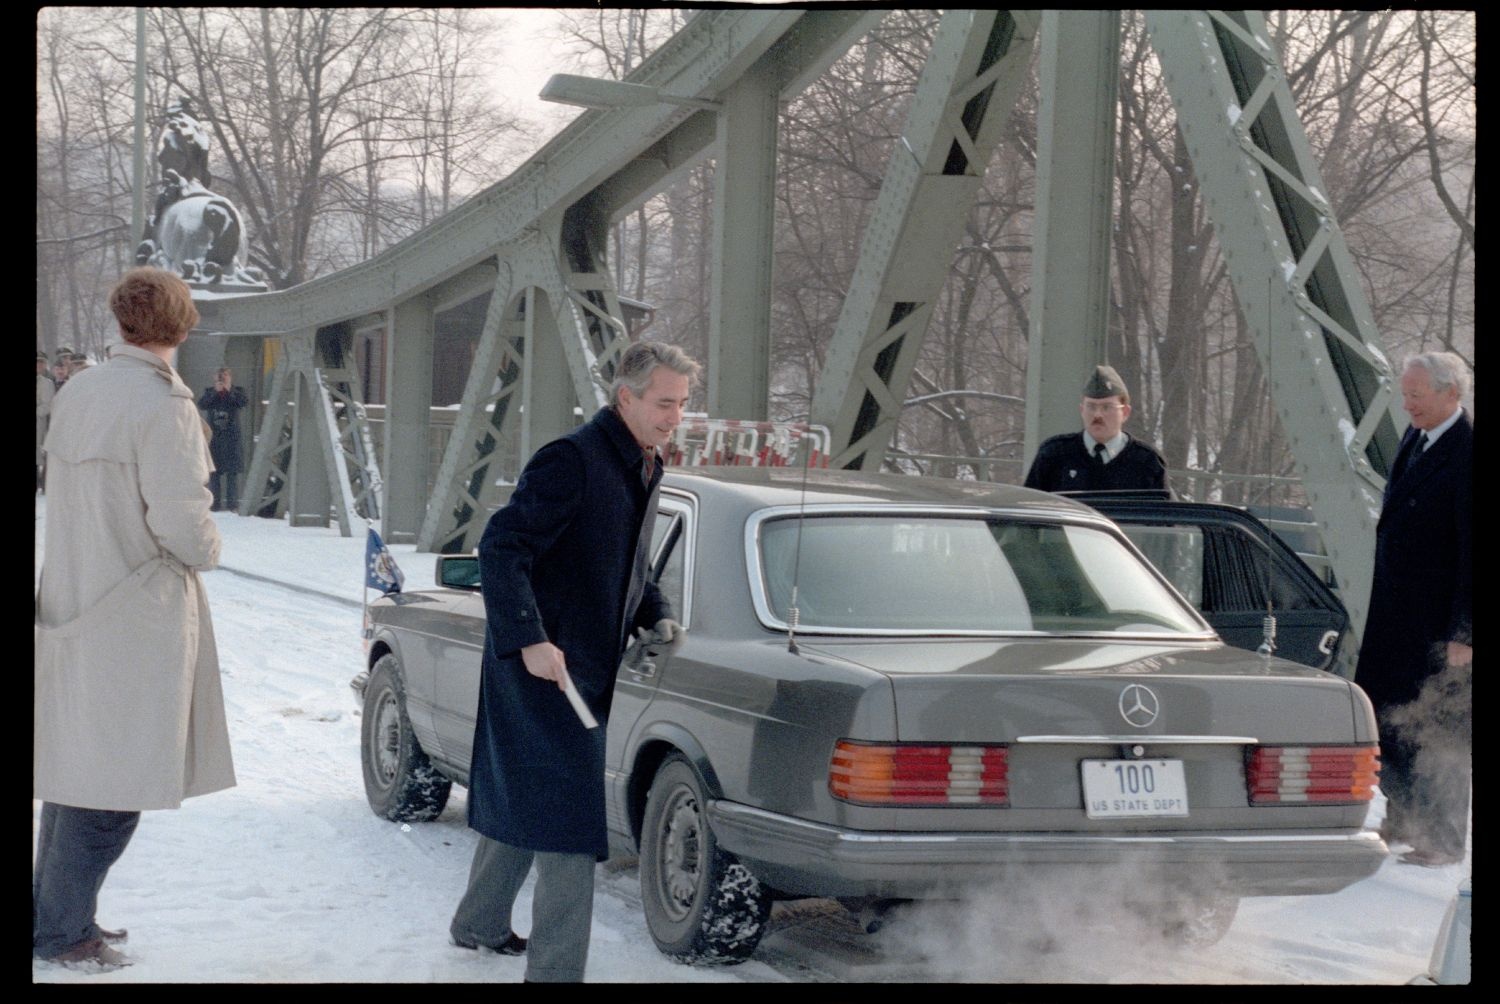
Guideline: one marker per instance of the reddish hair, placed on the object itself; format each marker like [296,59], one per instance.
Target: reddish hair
[153,306]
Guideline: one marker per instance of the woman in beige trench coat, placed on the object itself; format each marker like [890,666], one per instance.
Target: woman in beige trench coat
[129,714]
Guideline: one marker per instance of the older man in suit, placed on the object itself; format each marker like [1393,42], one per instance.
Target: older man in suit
[1417,658]
[564,580]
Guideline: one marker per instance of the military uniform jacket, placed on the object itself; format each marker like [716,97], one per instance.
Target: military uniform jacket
[1063,465]
[564,561]
[1421,595]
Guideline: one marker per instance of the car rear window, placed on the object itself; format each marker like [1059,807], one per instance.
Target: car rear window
[961,575]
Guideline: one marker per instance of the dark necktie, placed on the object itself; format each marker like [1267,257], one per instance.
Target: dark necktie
[1420,447]
[1099,454]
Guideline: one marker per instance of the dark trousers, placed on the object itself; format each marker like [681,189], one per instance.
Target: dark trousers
[226,499]
[74,851]
[562,907]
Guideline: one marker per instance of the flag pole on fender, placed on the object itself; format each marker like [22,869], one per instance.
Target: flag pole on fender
[380,573]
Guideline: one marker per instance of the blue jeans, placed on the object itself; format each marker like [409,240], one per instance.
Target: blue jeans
[74,851]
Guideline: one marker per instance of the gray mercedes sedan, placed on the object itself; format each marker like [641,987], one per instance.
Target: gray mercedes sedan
[895,688]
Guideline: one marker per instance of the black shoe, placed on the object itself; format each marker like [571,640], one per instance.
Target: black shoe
[113,937]
[513,945]
[1429,858]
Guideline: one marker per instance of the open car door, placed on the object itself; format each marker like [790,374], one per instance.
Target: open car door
[1218,558]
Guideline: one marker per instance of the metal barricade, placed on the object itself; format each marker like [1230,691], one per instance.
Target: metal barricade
[701,440]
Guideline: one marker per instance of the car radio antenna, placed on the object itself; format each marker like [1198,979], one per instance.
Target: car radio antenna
[1268,623]
[793,614]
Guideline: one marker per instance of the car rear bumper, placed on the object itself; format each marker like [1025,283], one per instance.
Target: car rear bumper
[805,858]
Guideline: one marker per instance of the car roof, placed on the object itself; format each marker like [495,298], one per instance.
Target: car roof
[759,487]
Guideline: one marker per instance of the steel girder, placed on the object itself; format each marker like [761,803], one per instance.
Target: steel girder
[968,87]
[1077,118]
[315,455]
[554,331]
[1293,277]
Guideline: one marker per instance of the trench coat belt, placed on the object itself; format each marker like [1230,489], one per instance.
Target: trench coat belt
[112,602]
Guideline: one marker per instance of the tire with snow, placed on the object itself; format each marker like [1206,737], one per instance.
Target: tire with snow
[400,782]
[702,906]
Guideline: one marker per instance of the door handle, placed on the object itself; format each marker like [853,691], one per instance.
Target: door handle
[1330,638]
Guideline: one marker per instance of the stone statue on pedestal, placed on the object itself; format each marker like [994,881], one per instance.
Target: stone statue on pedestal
[192,230]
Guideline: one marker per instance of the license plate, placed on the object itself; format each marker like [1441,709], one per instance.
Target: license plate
[1119,789]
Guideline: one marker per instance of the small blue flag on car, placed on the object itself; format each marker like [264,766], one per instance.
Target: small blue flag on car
[380,568]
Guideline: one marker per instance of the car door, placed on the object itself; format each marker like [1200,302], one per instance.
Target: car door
[1228,563]
[639,676]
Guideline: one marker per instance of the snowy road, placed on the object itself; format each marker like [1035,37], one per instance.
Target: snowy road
[289,877]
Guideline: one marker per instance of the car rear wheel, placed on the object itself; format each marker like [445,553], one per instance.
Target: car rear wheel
[400,782]
[701,904]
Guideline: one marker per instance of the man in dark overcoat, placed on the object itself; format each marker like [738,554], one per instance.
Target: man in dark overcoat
[221,405]
[1416,660]
[1104,457]
[564,579]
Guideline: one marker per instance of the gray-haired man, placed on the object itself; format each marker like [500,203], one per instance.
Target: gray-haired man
[1416,660]
[563,575]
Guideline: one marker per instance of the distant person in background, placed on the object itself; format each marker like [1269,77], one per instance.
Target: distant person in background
[1103,457]
[62,366]
[128,711]
[221,406]
[45,389]
[1416,662]
[77,363]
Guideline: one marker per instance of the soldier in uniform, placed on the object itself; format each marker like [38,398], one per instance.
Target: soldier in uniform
[1103,457]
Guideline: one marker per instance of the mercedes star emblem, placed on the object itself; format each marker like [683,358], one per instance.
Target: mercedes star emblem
[1138,705]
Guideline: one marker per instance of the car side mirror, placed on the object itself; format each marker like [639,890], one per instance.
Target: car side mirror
[458,571]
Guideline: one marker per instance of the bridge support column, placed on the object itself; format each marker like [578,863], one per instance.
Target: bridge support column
[546,378]
[408,400]
[308,498]
[739,333]
[1076,126]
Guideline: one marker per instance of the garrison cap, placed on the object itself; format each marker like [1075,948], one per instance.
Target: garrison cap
[1104,382]
[41,356]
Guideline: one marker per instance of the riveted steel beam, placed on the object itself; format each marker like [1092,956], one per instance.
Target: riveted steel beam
[1293,277]
[552,332]
[1077,119]
[408,412]
[739,328]
[315,457]
[969,85]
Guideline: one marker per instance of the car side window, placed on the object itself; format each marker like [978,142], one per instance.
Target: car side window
[1218,569]
[1177,552]
[669,561]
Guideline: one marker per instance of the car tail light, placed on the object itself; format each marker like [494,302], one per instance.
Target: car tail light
[1331,775]
[919,775]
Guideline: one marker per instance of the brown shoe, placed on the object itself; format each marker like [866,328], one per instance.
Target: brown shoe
[93,951]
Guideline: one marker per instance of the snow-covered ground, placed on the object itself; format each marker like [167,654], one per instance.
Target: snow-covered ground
[289,877]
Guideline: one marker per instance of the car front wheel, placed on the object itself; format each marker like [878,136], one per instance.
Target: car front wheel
[400,782]
[701,904]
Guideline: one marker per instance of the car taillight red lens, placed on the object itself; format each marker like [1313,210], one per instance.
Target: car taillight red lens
[919,775]
[1331,775]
